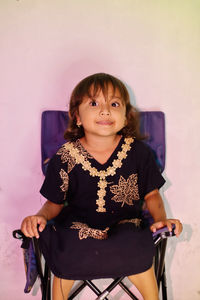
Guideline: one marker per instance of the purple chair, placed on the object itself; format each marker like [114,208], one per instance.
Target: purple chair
[53,126]
[54,123]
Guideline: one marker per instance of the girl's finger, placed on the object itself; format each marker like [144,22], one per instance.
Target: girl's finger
[29,228]
[156,226]
[169,224]
[24,228]
[179,228]
[153,228]
[42,225]
[34,227]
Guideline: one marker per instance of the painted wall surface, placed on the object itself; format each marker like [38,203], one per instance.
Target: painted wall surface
[46,47]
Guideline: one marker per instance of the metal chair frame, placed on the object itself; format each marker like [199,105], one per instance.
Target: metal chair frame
[151,121]
[160,242]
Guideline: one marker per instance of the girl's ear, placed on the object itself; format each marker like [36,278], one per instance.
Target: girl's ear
[78,120]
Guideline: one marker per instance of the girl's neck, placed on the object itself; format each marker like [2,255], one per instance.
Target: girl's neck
[99,144]
[101,148]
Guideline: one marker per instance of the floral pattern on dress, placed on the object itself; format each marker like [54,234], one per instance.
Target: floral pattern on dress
[65,178]
[102,174]
[70,160]
[85,231]
[126,191]
[134,221]
[66,158]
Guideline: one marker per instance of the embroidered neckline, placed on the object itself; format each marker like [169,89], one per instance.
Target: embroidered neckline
[110,171]
[87,155]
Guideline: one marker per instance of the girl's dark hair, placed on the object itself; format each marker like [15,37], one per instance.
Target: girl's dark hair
[100,81]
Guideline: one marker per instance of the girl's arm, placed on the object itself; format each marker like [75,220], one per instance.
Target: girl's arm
[30,224]
[50,210]
[156,208]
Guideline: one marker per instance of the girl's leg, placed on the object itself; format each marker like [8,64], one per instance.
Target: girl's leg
[146,284]
[61,288]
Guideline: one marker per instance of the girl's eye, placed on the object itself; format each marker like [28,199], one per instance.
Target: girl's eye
[115,104]
[93,103]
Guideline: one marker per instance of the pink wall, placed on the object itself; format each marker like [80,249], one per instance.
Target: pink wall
[46,48]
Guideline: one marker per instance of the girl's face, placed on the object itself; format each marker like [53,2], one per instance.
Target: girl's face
[100,115]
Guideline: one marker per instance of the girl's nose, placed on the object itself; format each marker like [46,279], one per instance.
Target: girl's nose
[104,110]
[105,113]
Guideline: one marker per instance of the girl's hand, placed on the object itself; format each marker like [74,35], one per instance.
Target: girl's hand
[30,224]
[168,223]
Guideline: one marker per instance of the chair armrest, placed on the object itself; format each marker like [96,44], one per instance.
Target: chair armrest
[163,233]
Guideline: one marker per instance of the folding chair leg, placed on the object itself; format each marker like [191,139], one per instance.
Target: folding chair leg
[160,268]
[45,276]
[77,291]
[107,291]
[94,288]
[164,285]
[124,287]
[156,260]
[47,280]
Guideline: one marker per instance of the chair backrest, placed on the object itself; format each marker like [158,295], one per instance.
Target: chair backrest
[54,123]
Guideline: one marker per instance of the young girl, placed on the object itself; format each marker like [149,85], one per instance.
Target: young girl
[104,173]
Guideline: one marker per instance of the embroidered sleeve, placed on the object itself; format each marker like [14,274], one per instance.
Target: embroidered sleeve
[55,185]
[65,178]
[66,158]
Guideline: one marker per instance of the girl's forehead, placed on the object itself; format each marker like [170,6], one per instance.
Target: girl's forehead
[108,91]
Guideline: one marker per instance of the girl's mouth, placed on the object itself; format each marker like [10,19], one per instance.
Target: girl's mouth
[104,122]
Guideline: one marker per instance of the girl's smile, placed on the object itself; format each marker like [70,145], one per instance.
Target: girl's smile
[105,122]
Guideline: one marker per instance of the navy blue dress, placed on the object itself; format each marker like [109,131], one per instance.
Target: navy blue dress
[100,232]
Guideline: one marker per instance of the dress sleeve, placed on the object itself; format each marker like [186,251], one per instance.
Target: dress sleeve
[56,181]
[150,177]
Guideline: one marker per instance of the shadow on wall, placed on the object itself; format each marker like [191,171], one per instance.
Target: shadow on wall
[171,248]
[172,244]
